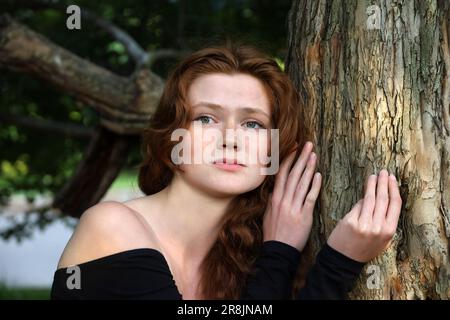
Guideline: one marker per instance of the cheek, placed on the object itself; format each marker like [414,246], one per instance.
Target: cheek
[202,144]
[253,178]
[265,145]
[259,147]
[209,138]
[209,141]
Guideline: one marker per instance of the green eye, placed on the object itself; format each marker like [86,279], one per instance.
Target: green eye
[203,119]
[253,124]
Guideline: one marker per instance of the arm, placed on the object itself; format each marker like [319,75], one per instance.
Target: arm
[273,272]
[363,234]
[286,227]
[332,276]
[359,237]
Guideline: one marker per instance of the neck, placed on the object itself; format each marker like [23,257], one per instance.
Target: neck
[192,218]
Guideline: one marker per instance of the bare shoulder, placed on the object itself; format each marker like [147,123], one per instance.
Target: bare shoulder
[106,228]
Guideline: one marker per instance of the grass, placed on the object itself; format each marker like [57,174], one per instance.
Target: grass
[126,179]
[9,293]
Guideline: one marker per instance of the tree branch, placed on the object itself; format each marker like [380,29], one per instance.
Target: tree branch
[66,129]
[102,161]
[137,53]
[163,54]
[124,104]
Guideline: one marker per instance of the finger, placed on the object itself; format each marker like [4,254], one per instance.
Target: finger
[382,200]
[308,206]
[355,211]
[365,216]
[281,177]
[297,170]
[395,204]
[305,181]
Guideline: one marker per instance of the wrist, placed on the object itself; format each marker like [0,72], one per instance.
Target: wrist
[344,252]
[289,242]
[280,243]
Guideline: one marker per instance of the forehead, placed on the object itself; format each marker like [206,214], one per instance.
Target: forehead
[229,91]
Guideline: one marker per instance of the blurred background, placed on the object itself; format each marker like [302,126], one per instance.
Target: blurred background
[45,131]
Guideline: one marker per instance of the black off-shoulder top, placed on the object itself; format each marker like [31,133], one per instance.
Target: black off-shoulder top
[144,273]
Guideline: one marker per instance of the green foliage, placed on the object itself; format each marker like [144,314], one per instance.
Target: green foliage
[9,293]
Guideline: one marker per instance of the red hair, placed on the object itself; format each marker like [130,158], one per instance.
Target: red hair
[230,259]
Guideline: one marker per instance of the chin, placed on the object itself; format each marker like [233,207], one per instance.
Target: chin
[232,186]
[224,183]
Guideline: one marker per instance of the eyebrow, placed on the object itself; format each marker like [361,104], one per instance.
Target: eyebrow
[218,106]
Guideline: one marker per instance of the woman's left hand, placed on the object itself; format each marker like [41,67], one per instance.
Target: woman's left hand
[289,214]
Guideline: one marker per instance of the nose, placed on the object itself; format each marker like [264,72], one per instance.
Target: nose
[230,143]
[229,136]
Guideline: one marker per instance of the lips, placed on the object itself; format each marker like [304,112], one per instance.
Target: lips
[228,161]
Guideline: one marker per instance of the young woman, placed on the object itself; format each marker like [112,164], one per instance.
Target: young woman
[219,229]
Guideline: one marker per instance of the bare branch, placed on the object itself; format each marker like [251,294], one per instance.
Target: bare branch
[125,104]
[66,129]
[163,54]
[137,53]
[103,159]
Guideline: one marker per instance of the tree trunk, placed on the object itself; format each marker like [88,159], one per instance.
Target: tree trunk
[375,76]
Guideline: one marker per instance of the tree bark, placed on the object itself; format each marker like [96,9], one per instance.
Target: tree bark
[380,98]
[102,162]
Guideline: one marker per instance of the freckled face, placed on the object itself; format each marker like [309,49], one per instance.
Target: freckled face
[238,104]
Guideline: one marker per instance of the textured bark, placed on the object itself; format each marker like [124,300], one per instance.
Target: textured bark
[380,98]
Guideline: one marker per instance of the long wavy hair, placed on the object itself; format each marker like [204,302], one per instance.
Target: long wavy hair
[229,261]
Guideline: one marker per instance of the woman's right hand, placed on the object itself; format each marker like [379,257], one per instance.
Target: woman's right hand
[368,228]
[289,214]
